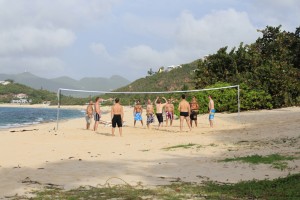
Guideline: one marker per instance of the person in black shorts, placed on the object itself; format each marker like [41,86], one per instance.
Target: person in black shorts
[117,116]
[185,110]
[194,111]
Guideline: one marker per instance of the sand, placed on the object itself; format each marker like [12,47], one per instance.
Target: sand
[38,156]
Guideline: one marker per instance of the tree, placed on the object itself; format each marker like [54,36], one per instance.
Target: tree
[150,72]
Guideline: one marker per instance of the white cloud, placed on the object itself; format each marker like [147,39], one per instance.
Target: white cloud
[100,50]
[276,12]
[38,65]
[193,39]
[30,40]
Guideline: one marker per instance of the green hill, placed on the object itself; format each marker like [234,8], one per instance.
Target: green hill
[8,92]
[176,79]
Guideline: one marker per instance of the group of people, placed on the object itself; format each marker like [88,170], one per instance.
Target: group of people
[188,112]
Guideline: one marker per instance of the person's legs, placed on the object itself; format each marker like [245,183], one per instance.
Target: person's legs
[96,125]
[120,131]
[211,123]
[188,123]
[134,123]
[181,122]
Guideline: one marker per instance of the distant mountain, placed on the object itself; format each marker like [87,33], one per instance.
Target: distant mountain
[98,84]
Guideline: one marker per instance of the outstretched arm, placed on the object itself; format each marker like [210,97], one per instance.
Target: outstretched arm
[165,99]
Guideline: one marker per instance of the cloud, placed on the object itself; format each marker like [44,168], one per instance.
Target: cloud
[34,33]
[193,38]
[100,50]
[276,12]
[38,65]
[31,40]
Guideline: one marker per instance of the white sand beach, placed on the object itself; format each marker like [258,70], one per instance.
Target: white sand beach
[36,156]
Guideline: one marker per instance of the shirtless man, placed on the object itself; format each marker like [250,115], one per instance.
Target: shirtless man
[185,111]
[159,110]
[211,108]
[150,113]
[89,114]
[97,113]
[117,116]
[194,111]
[169,112]
[137,112]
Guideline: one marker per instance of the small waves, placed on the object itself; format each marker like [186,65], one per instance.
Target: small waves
[18,117]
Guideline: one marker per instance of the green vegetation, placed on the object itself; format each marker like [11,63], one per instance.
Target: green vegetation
[275,160]
[281,188]
[268,71]
[7,93]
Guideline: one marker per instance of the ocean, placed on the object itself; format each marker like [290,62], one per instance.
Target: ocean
[11,117]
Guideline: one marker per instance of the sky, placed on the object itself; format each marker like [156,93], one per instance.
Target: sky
[101,38]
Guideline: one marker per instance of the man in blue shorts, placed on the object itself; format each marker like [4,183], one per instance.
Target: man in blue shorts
[137,113]
[211,108]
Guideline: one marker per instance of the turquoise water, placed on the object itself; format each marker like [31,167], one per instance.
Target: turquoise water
[18,117]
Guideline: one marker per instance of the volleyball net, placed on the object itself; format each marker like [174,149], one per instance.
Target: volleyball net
[61,90]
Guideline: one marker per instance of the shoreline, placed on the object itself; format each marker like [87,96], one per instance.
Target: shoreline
[75,107]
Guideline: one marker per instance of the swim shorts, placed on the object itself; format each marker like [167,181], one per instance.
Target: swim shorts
[97,117]
[212,114]
[116,120]
[159,117]
[150,118]
[88,119]
[138,117]
[169,115]
[184,114]
[193,115]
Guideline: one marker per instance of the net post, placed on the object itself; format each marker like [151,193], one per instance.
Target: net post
[58,107]
[239,103]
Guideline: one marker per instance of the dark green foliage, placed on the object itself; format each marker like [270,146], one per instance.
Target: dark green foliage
[281,188]
[268,70]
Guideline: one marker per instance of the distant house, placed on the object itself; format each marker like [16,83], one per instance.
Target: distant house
[171,67]
[19,101]
[160,70]
[21,96]
[4,82]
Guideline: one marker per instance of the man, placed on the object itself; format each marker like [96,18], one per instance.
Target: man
[185,111]
[194,111]
[89,115]
[211,108]
[169,112]
[150,113]
[137,112]
[159,110]
[97,113]
[117,116]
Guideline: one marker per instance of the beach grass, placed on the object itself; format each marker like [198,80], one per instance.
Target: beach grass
[180,146]
[277,161]
[281,188]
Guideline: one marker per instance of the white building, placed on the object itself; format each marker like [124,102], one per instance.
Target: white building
[19,101]
[4,82]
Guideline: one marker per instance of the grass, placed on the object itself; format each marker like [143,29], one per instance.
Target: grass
[188,146]
[183,146]
[276,160]
[281,188]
